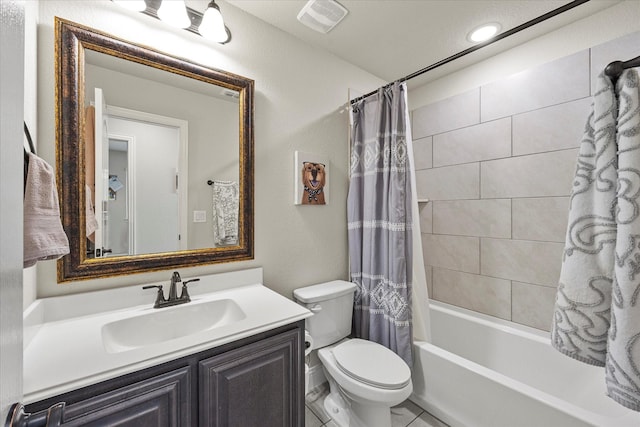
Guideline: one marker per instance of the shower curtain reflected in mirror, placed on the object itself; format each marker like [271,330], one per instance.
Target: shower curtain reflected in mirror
[381,206]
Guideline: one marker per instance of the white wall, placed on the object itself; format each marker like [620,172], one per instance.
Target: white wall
[299,91]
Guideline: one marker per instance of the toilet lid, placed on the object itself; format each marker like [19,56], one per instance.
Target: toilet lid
[372,364]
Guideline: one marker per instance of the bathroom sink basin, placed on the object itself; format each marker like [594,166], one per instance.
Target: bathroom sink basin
[165,324]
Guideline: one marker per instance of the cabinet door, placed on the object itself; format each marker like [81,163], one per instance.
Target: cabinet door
[160,401]
[257,385]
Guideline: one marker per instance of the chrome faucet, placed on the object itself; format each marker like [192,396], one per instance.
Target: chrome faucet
[173,293]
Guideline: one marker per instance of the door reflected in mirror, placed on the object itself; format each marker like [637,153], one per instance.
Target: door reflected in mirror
[140,196]
[140,136]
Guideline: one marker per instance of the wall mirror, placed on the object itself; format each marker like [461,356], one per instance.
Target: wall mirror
[154,158]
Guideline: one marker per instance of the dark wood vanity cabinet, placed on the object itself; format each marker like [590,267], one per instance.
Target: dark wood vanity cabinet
[253,382]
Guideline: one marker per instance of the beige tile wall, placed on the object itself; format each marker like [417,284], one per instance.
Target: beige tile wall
[497,163]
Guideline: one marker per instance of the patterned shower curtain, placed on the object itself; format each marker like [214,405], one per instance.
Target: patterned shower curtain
[379,220]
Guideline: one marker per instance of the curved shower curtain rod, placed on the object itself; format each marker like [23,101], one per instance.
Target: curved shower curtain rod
[472,49]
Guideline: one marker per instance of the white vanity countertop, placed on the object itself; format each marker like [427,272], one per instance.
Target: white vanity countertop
[64,348]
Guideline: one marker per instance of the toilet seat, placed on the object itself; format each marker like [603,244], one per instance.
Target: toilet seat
[372,364]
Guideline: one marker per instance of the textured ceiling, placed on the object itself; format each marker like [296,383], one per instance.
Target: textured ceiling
[393,38]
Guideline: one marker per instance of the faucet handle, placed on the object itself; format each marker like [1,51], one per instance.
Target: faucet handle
[159,297]
[184,294]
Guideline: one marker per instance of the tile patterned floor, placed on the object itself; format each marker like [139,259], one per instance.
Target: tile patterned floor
[407,414]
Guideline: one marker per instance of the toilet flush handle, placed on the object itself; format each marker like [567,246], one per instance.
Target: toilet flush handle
[315,308]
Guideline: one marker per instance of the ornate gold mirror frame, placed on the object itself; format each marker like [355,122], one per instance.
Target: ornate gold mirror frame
[71,42]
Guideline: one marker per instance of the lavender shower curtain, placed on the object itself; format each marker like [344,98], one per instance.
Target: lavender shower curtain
[379,220]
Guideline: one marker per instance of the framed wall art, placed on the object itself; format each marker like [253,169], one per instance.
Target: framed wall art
[311,179]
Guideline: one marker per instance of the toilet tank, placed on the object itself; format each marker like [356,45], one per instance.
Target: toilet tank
[332,307]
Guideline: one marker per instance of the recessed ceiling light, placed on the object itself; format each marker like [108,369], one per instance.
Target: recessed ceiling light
[484,32]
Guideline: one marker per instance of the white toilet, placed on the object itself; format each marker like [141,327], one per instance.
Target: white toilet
[365,378]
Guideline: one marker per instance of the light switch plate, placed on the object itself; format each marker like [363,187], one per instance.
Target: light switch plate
[199,216]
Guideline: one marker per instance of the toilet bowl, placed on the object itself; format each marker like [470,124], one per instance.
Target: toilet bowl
[367,371]
[365,378]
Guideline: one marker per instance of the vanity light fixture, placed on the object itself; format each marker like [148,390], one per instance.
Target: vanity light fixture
[483,32]
[174,12]
[212,25]
[209,25]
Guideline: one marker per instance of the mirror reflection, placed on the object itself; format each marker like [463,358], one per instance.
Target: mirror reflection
[153,141]
[155,158]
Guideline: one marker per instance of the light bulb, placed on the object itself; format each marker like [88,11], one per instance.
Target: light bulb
[483,33]
[135,5]
[174,12]
[212,26]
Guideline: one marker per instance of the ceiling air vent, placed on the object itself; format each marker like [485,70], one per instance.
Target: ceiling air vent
[322,15]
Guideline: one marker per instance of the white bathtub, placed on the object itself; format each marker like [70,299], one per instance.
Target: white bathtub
[482,371]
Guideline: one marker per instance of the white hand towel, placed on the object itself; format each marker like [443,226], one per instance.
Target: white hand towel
[44,237]
[225,212]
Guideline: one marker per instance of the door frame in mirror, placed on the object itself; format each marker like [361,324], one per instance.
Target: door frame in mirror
[71,41]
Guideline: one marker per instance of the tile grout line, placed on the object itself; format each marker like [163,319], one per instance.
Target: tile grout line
[511,237]
[495,159]
[417,416]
